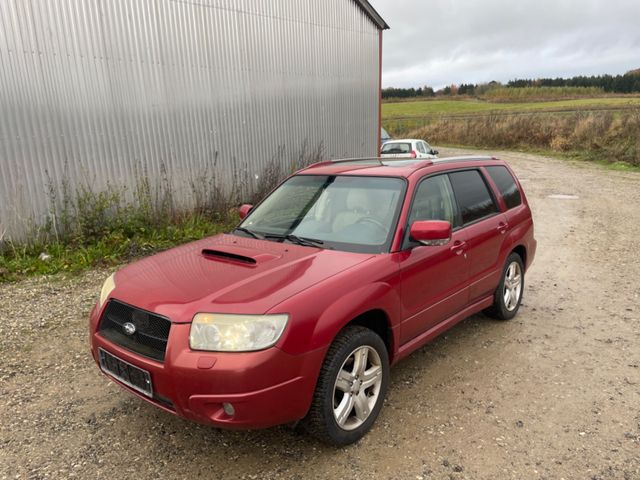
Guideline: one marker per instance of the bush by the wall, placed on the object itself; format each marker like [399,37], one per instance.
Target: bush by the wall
[88,227]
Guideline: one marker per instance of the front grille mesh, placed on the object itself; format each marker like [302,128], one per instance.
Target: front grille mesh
[151,331]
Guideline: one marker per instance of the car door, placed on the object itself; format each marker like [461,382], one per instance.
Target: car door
[433,277]
[426,150]
[483,229]
[429,150]
[421,152]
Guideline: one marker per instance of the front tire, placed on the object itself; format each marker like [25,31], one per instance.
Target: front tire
[351,387]
[508,296]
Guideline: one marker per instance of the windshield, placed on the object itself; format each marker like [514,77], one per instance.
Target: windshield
[396,148]
[342,212]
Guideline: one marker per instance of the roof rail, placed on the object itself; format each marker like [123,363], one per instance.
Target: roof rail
[355,160]
[467,158]
[373,160]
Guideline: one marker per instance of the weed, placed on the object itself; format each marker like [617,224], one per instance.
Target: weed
[86,227]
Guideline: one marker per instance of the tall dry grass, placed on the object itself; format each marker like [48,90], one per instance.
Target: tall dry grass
[611,137]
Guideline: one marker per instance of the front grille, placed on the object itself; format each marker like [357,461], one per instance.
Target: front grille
[136,330]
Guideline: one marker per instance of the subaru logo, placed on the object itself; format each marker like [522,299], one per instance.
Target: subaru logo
[129,328]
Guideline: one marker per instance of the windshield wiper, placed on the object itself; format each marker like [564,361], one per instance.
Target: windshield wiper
[249,232]
[312,242]
[304,241]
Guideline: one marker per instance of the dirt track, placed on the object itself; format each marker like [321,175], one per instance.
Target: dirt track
[553,394]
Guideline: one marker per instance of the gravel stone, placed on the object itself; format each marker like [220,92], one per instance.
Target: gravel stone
[568,363]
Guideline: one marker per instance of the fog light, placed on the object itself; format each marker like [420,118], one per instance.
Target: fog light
[228,409]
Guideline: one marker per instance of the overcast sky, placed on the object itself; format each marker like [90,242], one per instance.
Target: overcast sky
[439,42]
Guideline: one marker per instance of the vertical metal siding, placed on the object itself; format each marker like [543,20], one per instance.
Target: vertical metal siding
[92,89]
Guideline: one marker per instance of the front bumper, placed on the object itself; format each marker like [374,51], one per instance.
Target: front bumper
[266,388]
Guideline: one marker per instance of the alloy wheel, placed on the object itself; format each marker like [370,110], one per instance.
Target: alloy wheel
[357,387]
[512,286]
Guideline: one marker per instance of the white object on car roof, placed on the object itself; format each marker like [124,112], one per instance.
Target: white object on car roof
[408,148]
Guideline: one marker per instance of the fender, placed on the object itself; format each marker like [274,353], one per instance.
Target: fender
[377,296]
[319,323]
[519,235]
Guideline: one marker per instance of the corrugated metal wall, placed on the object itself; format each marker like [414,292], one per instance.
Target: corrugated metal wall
[91,88]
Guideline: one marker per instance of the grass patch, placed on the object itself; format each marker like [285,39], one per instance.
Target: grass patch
[524,94]
[426,108]
[114,248]
[88,228]
[579,157]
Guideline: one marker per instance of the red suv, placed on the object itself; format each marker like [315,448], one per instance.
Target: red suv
[296,315]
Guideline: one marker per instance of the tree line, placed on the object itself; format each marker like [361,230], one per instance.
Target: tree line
[627,83]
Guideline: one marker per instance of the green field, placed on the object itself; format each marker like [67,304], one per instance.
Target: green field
[599,128]
[429,108]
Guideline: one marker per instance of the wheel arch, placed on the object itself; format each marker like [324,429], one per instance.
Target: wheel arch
[522,252]
[379,322]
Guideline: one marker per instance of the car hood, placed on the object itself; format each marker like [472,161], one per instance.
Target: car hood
[226,274]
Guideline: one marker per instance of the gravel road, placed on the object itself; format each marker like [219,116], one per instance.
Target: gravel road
[554,393]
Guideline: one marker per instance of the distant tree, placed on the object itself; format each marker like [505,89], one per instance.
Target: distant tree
[428,91]
[466,89]
[392,92]
[483,88]
[626,83]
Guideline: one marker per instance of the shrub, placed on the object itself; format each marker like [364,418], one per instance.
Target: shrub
[88,227]
[609,137]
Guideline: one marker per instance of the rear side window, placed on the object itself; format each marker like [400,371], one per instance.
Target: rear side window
[396,148]
[473,196]
[506,185]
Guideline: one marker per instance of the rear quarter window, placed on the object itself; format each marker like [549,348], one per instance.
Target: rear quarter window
[506,185]
[473,195]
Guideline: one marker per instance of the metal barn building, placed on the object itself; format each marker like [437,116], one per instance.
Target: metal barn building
[90,89]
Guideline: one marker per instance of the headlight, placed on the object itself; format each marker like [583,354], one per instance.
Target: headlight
[235,333]
[108,287]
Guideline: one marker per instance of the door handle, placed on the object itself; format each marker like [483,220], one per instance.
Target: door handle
[458,247]
[503,227]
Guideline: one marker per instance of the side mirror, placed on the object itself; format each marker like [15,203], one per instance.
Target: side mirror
[431,232]
[434,152]
[244,210]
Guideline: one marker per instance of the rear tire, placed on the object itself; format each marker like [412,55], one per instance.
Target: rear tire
[508,296]
[351,387]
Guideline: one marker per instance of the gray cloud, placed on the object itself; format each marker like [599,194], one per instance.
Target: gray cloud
[439,42]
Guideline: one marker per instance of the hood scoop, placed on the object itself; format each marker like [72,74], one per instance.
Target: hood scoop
[238,255]
[233,257]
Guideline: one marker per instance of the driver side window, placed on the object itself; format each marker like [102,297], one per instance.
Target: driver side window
[434,200]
